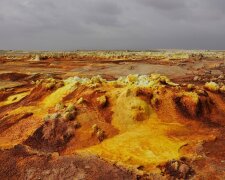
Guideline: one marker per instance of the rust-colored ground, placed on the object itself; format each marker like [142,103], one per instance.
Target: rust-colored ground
[144,117]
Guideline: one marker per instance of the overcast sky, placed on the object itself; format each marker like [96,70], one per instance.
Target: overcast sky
[112,24]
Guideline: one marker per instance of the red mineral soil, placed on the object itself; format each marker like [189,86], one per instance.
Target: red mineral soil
[112,115]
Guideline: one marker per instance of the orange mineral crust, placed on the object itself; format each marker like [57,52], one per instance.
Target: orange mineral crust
[117,126]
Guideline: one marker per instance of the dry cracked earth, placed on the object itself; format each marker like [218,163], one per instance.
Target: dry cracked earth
[130,117]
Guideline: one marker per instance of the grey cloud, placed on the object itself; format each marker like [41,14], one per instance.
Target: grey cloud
[193,10]
[164,4]
[103,20]
[105,13]
[218,5]
[106,7]
[112,24]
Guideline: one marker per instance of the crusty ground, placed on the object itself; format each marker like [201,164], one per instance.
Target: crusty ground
[158,131]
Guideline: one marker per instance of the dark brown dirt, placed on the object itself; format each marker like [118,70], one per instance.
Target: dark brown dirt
[22,162]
